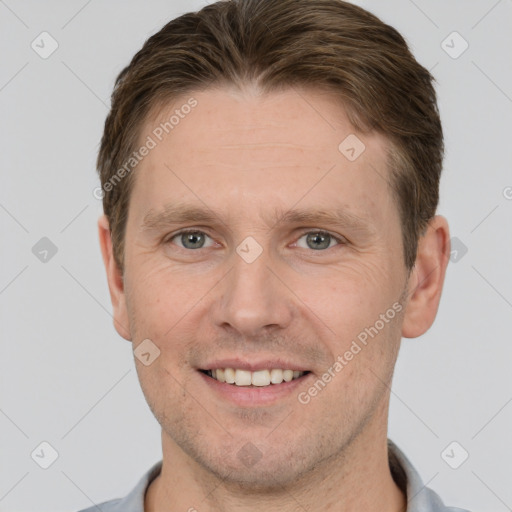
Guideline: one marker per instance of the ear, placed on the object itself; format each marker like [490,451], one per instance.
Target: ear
[115,280]
[427,278]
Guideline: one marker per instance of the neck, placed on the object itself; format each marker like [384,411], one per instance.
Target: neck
[357,479]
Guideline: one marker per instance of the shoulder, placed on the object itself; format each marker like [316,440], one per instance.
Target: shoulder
[132,502]
[420,497]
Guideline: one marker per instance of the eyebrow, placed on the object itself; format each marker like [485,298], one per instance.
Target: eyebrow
[180,213]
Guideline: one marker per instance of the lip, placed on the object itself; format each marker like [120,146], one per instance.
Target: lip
[254,365]
[253,396]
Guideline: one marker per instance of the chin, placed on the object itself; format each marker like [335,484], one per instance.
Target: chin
[250,466]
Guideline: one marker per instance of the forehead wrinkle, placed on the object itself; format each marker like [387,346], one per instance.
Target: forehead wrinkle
[263,145]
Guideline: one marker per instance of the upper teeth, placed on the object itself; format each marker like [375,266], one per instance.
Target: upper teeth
[258,378]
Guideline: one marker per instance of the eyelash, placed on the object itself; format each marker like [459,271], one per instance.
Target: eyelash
[339,239]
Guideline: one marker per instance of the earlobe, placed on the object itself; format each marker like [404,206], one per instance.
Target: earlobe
[115,280]
[427,278]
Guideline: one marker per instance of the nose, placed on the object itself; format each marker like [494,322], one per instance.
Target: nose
[253,298]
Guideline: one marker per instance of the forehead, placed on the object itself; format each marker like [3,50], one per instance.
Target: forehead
[273,149]
[228,119]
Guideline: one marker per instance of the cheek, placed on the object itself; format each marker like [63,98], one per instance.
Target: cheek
[164,393]
[359,307]
[352,295]
[159,298]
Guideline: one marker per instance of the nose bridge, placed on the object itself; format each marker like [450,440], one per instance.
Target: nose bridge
[252,297]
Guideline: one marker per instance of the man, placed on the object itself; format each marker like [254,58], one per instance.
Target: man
[271,177]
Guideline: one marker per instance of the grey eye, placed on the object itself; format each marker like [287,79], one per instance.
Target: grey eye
[190,239]
[318,240]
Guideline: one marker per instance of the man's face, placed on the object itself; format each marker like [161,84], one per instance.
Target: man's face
[255,288]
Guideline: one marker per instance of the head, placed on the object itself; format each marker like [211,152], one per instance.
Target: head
[300,143]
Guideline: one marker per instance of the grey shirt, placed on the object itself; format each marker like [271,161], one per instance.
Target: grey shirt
[419,497]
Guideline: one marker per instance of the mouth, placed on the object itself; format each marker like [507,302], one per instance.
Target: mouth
[259,378]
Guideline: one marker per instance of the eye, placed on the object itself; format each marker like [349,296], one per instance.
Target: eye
[194,239]
[319,240]
[190,239]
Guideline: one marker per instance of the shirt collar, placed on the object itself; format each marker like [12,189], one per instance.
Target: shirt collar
[419,497]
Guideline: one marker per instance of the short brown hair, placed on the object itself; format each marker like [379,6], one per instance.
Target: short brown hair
[277,44]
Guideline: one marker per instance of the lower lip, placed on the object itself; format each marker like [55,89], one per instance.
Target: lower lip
[252,396]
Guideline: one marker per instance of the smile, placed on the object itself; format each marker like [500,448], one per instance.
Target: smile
[259,378]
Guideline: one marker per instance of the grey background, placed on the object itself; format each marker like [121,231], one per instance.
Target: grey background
[68,379]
